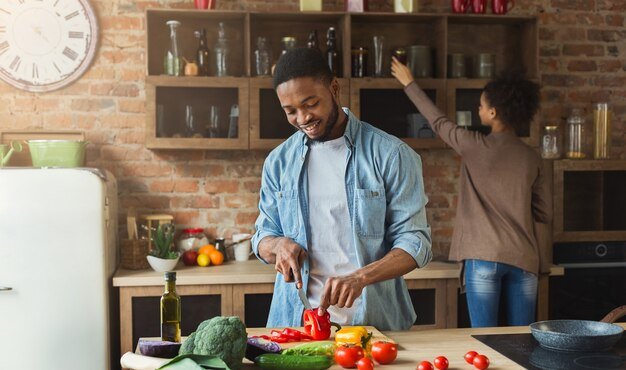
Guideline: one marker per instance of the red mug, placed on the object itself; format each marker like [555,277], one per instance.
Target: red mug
[479,6]
[205,4]
[502,6]
[460,6]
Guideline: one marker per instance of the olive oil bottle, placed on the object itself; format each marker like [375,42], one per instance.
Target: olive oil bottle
[170,310]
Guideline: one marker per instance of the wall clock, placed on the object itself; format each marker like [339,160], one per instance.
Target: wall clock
[46,44]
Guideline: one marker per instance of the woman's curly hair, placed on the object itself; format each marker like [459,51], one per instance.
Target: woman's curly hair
[515,98]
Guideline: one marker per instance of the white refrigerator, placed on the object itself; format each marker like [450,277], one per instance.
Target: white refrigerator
[57,257]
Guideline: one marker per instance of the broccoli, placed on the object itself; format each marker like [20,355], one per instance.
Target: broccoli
[220,336]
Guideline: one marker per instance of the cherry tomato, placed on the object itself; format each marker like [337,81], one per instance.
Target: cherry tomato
[481,362]
[425,365]
[441,363]
[365,364]
[469,357]
[384,352]
[348,355]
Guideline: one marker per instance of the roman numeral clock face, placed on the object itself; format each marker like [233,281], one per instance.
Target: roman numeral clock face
[46,44]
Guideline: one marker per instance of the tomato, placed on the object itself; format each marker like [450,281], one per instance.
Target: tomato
[481,362]
[348,355]
[365,364]
[469,357]
[189,258]
[384,352]
[441,363]
[425,365]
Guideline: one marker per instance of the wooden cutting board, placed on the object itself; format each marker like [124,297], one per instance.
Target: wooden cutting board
[22,159]
[376,335]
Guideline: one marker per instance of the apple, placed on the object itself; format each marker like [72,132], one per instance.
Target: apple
[189,258]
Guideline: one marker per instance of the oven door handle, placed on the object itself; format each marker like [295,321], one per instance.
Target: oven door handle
[592,265]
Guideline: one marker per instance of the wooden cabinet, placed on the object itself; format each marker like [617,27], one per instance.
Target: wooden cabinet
[379,101]
[589,200]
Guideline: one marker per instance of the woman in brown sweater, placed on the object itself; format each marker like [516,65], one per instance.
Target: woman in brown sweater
[502,193]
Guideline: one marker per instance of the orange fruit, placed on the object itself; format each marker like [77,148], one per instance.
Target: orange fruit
[206,249]
[203,260]
[217,258]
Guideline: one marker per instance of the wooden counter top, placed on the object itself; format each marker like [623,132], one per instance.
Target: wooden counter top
[425,345]
[254,272]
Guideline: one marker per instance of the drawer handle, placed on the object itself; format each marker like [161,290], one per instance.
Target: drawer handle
[4,288]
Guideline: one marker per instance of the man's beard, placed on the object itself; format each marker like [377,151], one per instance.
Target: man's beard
[332,121]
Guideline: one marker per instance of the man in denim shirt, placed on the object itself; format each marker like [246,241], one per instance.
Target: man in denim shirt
[342,207]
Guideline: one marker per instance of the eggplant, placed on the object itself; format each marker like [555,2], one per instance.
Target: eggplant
[257,346]
[161,349]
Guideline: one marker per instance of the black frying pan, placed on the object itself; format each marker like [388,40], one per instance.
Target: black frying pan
[579,335]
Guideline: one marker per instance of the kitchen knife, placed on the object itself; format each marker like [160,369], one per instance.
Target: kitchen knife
[304,299]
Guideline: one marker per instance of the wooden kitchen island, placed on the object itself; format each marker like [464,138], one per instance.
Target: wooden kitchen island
[236,284]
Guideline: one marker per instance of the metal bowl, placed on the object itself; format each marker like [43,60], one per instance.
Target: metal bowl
[576,335]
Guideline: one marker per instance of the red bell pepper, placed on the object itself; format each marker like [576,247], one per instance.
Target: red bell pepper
[316,326]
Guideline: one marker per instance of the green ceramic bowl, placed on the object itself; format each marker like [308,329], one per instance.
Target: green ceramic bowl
[57,153]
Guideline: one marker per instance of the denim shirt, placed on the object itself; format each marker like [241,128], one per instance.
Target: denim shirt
[386,202]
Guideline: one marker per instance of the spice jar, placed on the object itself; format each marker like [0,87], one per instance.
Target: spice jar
[551,143]
[602,131]
[576,135]
[192,239]
[359,62]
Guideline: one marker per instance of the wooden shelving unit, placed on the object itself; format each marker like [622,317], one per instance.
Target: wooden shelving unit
[379,101]
[589,200]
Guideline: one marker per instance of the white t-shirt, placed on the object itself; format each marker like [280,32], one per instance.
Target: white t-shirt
[331,249]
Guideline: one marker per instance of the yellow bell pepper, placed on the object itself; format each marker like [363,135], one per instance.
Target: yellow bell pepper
[355,335]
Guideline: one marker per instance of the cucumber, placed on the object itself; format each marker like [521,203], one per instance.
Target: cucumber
[272,361]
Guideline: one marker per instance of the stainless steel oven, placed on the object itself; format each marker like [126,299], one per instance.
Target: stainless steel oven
[594,282]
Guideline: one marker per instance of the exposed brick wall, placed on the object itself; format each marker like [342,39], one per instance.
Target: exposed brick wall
[582,53]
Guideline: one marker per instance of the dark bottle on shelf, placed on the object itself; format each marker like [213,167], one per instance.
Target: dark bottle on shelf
[332,55]
[170,310]
[312,41]
[202,54]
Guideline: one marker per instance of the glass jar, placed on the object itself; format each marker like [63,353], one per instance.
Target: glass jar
[551,143]
[359,62]
[262,57]
[192,239]
[576,135]
[289,42]
[602,117]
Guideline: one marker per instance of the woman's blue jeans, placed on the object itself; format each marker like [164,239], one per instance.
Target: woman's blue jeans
[486,282]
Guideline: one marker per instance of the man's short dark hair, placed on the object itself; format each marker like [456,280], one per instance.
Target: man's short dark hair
[302,62]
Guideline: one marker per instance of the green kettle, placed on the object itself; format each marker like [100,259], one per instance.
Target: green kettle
[6,151]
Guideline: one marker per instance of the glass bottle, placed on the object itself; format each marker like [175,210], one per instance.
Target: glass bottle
[202,54]
[602,117]
[332,55]
[173,61]
[289,42]
[222,53]
[576,135]
[262,57]
[551,143]
[359,61]
[312,41]
[170,310]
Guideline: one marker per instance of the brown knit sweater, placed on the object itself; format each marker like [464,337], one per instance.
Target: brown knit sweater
[502,192]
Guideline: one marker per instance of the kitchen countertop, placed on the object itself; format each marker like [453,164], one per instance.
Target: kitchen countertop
[254,271]
[425,345]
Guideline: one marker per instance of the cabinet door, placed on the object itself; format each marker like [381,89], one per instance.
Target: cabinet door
[140,314]
[252,303]
[382,103]
[430,301]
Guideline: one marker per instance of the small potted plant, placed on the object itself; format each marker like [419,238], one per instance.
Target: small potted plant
[162,257]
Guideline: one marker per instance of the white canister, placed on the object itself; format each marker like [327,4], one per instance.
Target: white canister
[405,6]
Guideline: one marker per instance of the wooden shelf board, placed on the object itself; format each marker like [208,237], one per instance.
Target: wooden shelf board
[195,143]
[197,14]
[196,81]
